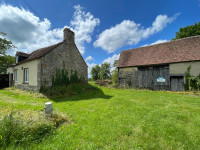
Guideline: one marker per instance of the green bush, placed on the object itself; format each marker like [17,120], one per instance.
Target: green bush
[115,77]
[191,82]
[187,78]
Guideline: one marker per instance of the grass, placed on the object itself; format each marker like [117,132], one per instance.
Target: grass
[106,118]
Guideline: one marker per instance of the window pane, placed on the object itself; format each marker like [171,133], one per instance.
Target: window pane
[25,75]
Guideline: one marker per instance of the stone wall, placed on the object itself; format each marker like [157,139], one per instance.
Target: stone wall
[27,87]
[67,54]
[128,76]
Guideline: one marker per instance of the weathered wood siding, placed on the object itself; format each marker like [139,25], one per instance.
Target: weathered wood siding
[147,77]
[177,83]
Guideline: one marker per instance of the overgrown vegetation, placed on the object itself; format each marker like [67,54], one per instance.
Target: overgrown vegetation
[20,128]
[65,85]
[192,83]
[72,89]
[62,78]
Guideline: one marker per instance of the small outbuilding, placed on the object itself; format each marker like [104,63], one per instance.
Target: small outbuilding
[33,70]
[160,66]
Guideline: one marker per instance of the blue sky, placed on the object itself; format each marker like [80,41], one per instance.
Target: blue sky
[103,28]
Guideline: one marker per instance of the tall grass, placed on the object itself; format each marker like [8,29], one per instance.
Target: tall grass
[17,130]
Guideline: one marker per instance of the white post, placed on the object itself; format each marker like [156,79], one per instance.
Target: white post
[48,108]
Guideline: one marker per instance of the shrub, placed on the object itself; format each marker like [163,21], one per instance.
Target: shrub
[191,82]
[115,77]
[187,78]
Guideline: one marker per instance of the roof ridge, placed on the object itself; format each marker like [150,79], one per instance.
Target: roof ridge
[171,41]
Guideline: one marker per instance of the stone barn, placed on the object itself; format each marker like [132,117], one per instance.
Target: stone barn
[33,70]
[161,66]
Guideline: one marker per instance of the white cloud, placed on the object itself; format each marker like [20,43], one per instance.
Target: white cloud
[111,60]
[29,33]
[83,25]
[89,68]
[156,42]
[129,33]
[89,58]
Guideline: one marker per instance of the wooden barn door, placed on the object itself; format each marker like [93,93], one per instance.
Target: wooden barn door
[177,83]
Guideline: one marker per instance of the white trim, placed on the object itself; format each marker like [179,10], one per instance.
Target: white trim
[26,75]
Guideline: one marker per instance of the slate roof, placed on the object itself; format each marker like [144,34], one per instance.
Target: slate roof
[182,50]
[38,53]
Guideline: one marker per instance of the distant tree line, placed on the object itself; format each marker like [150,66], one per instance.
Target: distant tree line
[103,72]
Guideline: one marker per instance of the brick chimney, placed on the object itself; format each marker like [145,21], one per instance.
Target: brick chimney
[68,35]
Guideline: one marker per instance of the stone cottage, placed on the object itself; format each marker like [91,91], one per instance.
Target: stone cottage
[161,66]
[33,70]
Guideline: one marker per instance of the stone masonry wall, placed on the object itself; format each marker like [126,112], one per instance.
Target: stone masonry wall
[67,53]
[128,76]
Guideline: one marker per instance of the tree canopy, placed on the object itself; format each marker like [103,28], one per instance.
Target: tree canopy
[101,72]
[5,60]
[4,44]
[188,31]
[95,72]
[104,71]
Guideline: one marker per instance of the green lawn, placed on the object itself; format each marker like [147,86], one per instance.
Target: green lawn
[117,119]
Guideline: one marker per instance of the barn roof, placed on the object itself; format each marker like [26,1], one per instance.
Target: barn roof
[182,50]
[38,53]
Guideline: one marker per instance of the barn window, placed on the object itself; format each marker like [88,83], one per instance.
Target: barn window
[26,75]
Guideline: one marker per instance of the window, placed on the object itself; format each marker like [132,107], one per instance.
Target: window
[25,75]
[15,75]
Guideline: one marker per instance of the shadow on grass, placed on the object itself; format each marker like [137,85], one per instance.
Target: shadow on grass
[74,92]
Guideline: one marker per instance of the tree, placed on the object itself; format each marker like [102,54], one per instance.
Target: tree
[4,44]
[188,31]
[5,61]
[115,73]
[115,63]
[95,72]
[104,71]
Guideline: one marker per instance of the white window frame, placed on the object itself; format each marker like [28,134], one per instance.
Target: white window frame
[26,75]
[15,76]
